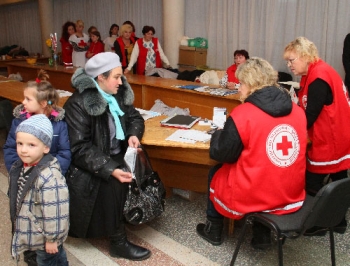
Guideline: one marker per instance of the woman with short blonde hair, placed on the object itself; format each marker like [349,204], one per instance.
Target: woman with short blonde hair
[325,101]
[256,73]
[261,151]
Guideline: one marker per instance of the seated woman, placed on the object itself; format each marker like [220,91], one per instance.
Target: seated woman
[229,81]
[147,53]
[124,45]
[261,151]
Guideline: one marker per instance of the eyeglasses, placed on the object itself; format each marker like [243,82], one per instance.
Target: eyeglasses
[291,61]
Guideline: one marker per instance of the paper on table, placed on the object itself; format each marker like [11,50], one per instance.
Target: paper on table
[189,136]
[147,114]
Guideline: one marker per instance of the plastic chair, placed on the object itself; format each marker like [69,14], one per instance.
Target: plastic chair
[326,209]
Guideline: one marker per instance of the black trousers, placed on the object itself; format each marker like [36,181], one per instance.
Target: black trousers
[314,181]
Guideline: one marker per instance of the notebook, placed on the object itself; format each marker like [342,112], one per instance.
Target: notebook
[180,121]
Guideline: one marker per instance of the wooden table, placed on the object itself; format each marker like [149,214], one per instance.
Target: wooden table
[3,63]
[13,91]
[149,89]
[180,165]
[60,76]
[146,89]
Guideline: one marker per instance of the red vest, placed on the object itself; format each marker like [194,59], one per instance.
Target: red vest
[122,47]
[269,175]
[141,60]
[231,74]
[330,134]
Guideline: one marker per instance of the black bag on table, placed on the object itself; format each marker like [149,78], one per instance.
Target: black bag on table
[146,197]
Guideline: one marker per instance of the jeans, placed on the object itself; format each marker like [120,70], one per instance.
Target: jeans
[211,211]
[57,259]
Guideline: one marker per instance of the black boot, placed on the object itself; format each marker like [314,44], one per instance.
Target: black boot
[121,247]
[321,231]
[211,230]
[261,236]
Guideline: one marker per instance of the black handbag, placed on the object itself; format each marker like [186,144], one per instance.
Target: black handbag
[146,197]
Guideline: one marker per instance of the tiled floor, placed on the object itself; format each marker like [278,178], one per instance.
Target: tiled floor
[173,240]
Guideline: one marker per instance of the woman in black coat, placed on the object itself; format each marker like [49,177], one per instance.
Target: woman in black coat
[102,123]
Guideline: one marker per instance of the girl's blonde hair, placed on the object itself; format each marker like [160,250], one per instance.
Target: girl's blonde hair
[45,92]
[79,22]
[304,48]
[256,73]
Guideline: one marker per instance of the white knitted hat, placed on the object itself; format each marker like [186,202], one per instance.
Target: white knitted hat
[38,126]
[102,63]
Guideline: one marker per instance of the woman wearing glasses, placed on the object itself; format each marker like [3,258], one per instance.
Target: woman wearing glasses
[326,103]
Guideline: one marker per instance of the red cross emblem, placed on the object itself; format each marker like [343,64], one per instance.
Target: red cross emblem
[284,145]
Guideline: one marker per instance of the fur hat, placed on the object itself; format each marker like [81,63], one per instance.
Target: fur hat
[102,63]
[39,126]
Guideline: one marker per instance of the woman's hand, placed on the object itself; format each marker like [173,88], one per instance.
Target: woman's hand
[123,177]
[133,142]
[126,71]
[230,85]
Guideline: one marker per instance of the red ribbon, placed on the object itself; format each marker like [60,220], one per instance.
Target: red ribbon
[37,80]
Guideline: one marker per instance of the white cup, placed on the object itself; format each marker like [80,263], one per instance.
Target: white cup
[3,57]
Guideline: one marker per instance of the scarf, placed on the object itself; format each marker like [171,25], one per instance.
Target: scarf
[115,111]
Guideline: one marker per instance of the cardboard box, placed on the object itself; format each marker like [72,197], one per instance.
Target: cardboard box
[192,56]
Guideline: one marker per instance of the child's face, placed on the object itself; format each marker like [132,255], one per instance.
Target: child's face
[29,148]
[30,102]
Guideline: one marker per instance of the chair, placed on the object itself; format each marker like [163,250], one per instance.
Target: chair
[326,209]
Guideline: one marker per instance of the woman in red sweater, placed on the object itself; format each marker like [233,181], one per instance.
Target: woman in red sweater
[68,29]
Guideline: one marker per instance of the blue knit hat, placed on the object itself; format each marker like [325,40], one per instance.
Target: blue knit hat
[39,126]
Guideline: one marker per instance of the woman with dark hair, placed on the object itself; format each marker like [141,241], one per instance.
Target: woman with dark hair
[96,45]
[68,29]
[230,81]
[147,53]
[113,35]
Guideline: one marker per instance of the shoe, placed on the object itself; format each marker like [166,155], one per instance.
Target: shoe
[129,251]
[321,231]
[211,231]
[30,257]
[316,231]
[261,237]
[341,227]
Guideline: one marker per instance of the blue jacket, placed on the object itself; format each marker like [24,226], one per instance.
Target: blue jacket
[60,147]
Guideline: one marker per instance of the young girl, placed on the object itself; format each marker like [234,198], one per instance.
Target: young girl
[40,98]
[96,45]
